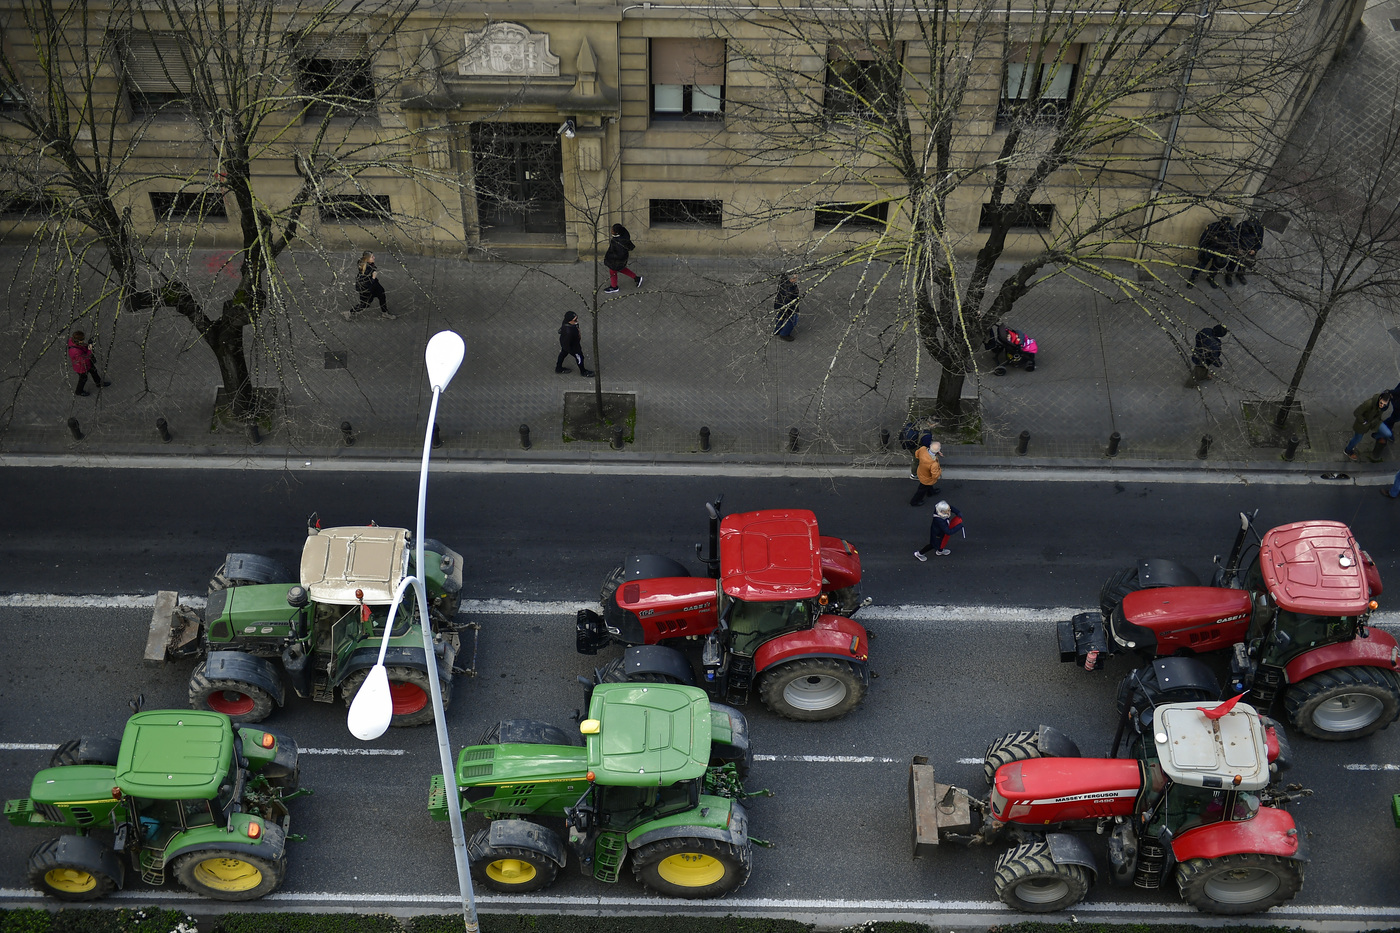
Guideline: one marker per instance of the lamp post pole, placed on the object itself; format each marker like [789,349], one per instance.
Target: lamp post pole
[372,709]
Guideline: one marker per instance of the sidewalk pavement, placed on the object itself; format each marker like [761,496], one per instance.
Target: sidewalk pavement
[694,346]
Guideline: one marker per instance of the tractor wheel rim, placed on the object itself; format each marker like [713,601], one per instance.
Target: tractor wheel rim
[1242,886]
[407,698]
[70,880]
[510,871]
[228,874]
[231,702]
[690,869]
[1348,712]
[1041,890]
[815,692]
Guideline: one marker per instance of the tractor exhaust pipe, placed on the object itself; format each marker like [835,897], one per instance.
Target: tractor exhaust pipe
[1232,565]
[711,561]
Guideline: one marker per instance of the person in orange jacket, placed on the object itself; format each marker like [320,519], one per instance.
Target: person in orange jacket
[930,471]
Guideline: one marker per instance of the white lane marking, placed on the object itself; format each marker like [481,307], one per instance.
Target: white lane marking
[834,759]
[352,751]
[1359,767]
[26,747]
[972,761]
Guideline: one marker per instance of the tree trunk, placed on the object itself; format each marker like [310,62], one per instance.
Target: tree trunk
[225,338]
[1290,398]
[948,407]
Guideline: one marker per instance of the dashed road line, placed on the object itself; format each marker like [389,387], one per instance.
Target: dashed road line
[1362,767]
[26,747]
[830,759]
[393,752]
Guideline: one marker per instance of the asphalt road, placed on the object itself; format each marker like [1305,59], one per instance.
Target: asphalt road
[949,679]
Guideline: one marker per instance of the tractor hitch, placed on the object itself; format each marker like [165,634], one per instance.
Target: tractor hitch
[1083,640]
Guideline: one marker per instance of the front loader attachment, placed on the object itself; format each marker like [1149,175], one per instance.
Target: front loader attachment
[174,631]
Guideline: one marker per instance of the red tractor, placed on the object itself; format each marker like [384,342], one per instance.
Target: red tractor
[778,620]
[1294,619]
[1196,799]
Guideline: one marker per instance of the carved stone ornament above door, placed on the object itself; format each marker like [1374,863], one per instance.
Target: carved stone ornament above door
[508,50]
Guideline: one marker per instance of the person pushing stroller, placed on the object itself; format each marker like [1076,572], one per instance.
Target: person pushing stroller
[1011,347]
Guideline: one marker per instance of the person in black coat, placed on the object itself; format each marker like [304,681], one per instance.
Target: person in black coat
[1249,240]
[368,288]
[1205,358]
[786,304]
[620,247]
[570,344]
[1217,247]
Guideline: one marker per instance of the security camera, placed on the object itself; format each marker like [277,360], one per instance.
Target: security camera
[566,129]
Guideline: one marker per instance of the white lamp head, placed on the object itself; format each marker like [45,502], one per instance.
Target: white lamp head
[373,707]
[444,354]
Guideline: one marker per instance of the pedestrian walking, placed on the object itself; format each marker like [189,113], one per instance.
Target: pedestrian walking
[787,306]
[81,358]
[928,471]
[1216,247]
[570,344]
[946,520]
[620,248]
[1205,358]
[1394,491]
[368,287]
[1249,237]
[1369,416]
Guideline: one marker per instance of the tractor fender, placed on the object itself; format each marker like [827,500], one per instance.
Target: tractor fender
[87,850]
[247,668]
[652,567]
[840,564]
[657,659]
[254,568]
[673,827]
[522,834]
[832,637]
[368,656]
[1271,832]
[271,845]
[1276,744]
[1069,849]
[1379,650]
[728,725]
[1161,571]
[1052,743]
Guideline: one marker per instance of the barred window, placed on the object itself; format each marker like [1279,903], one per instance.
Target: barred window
[1033,217]
[334,76]
[188,205]
[356,208]
[27,205]
[851,214]
[689,211]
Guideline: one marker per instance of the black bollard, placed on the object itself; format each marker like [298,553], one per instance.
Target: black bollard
[1023,442]
[347,433]
[524,437]
[74,429]
[792,440]
[1204,449]
[1292,448]
[885,438]
[163,429]
[704,438]
[1114,440]
[617,437]
[437,436]
[254,437]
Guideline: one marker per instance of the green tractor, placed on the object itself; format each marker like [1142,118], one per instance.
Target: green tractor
[323,632]
[655,773]
[185,793]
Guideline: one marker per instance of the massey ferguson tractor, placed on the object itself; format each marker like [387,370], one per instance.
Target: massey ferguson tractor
[1196,799]
[185,793]
[772,616]
[323,633]
[1294,619]
[654,775]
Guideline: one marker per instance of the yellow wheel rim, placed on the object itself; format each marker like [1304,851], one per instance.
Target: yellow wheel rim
[227,874]
[690,870]
[510,871]
[70,880]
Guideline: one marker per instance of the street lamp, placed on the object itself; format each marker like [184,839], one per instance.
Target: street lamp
[373,707]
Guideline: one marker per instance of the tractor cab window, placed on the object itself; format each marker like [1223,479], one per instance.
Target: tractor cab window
[1306,631]
[1189,807]
[751,623]
[339,620]
[174,815]
[621,808]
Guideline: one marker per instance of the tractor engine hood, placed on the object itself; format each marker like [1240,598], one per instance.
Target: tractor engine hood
[1043,791]
[1166,618]
[644,612]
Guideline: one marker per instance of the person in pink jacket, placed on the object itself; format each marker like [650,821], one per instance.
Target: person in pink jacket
[80,355]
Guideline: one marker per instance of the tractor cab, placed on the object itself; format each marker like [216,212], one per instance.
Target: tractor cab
[1214,769]
[771,576]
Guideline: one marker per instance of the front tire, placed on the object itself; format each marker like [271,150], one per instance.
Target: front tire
[1014,746]
[240,701]
[229,876]
[692,868]
[1239,884]
[610,584]
[812,689]
[1343,703]
[1027,878]
[70,868]
[1116,587]
[509,869]
[409,689]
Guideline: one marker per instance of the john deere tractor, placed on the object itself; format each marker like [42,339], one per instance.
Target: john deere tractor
[185,793]
[653,775]
[323,632]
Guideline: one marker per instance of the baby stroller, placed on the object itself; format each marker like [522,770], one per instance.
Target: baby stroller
[1010,347]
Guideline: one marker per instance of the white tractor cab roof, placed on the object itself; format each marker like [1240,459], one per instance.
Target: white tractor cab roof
[1229,752]
[336,562]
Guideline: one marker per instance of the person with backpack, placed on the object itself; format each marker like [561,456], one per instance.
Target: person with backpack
[620,248]
[946,520]
[1206,356]
[570,344]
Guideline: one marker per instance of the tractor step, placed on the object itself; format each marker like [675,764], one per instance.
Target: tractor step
[153,868]
[608,853]
[437,798]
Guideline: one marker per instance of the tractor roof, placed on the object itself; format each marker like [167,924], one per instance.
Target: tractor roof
[175,754]
[1201,752]
[1314,568]
[335,562]
[770,555]
[649,735]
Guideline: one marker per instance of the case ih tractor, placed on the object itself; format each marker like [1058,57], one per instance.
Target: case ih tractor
[185,794]
[1196,799]
[654,775]
[777,621]
[323,632]
[1294,619]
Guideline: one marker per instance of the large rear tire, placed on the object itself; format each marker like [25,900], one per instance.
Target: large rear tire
[70,868]
[240,701]
[1027,878]
[85,751]
[528,732]
[510,869]
[1014,746]
[811,689]
[1239,884]
[1343,703]
[692,868]
[409,689]
[614,672]
[229,876]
